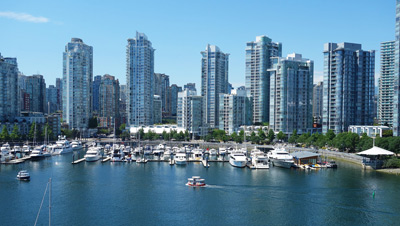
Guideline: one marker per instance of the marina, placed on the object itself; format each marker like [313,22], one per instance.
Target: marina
[156,193]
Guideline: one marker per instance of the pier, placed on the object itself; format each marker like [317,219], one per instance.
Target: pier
[106,159]
[78,161]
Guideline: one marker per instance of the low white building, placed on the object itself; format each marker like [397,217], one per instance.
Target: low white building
[159,129]
[371,131]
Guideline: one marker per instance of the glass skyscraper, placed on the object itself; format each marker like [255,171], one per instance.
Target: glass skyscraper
[291,94]
[35,87]
[348,86]
[396,80]
[139,78]
[214,81]
[77,84]
[96,94]
[190,111]
[258,61]
[9,108]
[385,97]
[109,100]
[317,102]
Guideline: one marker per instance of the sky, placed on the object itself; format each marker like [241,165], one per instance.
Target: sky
[36,32]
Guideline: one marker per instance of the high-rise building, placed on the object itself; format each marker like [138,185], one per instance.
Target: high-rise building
[317,102]
[109,101]
[35,87]
[157,105]
[173,98]
[258,61]
[9,108]
[214,80]
[232,110]
[161,85]
[386,92]
[291,97]
[190,86]
[96,94]
[396,80]
[77,84]
[190,112]
[139,78]
[122,103]
[59,87]
[52,94]
[348,86]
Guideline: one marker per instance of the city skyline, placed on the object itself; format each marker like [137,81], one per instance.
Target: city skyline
[50,27]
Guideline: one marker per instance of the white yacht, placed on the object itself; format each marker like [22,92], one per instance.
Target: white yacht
[213,152]
[280,157]
[180,158]
[117,155]
[222,151]
[62,147]
[238,159]
[37,153]
[5,152]
[26,149]
[76,145]
[17,151]
[93,154]
[259,160]
[197,154]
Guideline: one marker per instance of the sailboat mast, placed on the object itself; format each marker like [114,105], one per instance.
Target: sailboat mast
[49,201]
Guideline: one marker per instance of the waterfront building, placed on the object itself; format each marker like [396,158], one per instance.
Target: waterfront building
[214,80]
[386,86]
[77,84]
[35,88]
[23,97]
[161,87]
[139,78]
[258,61]
[52,95]
[348,86]
[190,112]
[232,110]
[317,102]
[9,108]
[173,98]
[122,103]
[109,101]
[157,105]
[291,96]
[190,86]
[96,94]
[371,131]
[396,79]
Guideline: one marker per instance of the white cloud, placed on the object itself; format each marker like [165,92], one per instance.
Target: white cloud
[24,17]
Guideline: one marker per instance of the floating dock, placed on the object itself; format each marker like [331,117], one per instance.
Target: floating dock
[106,159]
[78,161]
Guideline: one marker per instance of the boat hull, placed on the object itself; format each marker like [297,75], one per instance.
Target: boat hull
[180,162]
[92,158]
[238,164]
[283,164]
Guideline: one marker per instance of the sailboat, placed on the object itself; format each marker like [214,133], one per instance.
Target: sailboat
[48,186]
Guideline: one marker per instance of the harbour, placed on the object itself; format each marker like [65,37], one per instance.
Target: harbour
[118,193]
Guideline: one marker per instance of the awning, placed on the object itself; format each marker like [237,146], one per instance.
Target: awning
[375,151]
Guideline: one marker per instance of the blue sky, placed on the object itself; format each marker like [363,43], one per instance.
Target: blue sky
[36,32]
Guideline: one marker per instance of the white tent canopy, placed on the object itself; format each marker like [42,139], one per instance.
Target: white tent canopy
[375,151]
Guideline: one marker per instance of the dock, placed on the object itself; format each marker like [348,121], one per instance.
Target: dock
[78,161]
[14,161]
[26,157]
[106,159]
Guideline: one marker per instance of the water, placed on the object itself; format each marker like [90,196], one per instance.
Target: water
[155,193]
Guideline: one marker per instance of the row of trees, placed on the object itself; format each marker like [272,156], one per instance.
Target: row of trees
[173,135]
[36,132]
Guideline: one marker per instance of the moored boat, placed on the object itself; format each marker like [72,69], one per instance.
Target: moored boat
[93,154]
[237,159]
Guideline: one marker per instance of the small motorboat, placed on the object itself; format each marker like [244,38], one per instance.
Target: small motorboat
[196,181]
[23,175]
[141,160]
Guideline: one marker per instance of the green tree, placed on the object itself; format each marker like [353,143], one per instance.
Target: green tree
[15,133]
[261,136]
[240,138]
[4,136]
[281,136]
[254,138]
[394,144]
[49,132]
[93,123]
[364,143]
[165,135]
[271,136]
[141,134]
[303,138]
[32,131]
[293,137]
[187,135]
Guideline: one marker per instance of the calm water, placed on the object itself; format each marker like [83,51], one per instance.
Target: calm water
[155,194]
